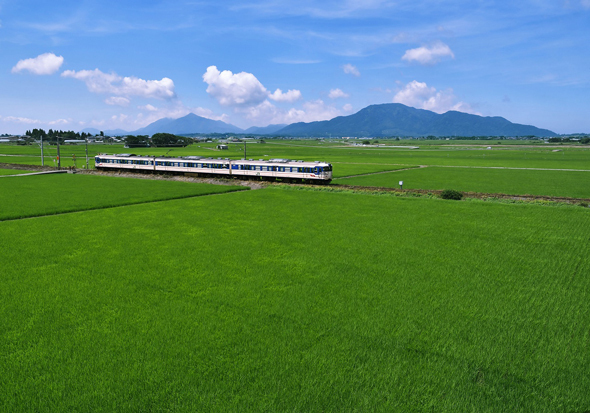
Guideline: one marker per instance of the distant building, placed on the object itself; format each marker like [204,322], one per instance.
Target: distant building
[222,147]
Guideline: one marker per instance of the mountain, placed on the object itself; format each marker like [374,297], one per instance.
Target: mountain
[264,130]
[190,123]
[395,119]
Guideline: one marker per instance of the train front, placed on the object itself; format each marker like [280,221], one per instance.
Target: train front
[325,173]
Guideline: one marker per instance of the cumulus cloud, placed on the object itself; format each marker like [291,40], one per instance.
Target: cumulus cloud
[347,107]
[44,64]
[111,83]
[351,70]
[421,96]
[242,89]
[266,113]
[428,54]
[117,101]
[337,93]
[289,96]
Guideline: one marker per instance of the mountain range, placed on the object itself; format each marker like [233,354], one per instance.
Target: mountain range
[395,119]
[389,119]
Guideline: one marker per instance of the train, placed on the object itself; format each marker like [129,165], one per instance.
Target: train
[283,170]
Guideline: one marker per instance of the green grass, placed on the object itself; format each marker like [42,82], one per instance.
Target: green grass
[278,300]
[507,181]
[430,153]
[11,172]
[28,196]
[351,169]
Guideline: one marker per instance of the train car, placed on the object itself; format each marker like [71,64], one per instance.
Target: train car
[284,170]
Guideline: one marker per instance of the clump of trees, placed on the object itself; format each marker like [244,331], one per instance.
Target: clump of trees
[168,139]
[132,141]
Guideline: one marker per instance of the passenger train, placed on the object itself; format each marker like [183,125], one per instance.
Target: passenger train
[284,170]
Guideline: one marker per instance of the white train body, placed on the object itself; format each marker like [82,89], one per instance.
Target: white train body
[273,169]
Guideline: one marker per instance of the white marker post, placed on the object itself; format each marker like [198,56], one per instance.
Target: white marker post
[401,184]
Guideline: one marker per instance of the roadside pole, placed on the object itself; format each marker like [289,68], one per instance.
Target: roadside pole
[244,150]
[42,158]
[86,153]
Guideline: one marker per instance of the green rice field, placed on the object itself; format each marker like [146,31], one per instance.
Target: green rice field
[36,195]
[11,172]
[573,184]
[285,300]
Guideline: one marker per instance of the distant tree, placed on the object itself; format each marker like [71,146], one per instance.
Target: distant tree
[141,140]
[168,139]
[585,140]
[366,142]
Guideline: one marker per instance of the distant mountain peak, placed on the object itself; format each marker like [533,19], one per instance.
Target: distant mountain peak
[396,119]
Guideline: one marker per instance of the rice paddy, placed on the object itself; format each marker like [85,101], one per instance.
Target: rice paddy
[36,195]
[138,295]
[575,184]
[355,302]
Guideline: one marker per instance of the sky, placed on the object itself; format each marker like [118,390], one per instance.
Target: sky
[106,64]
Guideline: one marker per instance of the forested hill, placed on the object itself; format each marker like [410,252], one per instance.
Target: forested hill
[395,119]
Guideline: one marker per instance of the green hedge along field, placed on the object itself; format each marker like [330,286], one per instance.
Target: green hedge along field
[280,300]
[506,181]
[29,196]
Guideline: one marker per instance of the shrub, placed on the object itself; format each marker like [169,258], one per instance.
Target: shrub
[583,204]
[451,194]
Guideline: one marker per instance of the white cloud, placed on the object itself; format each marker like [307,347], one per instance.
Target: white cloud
[242,89]
[44,64]
[289,96]
[585,4]
[17,119]
[117,101]
[119,119]
[148,107]
[428,54]
[419,95]
[337,93]
[99,82]
[347,107]
[351,70]
[266,113]
[60,122]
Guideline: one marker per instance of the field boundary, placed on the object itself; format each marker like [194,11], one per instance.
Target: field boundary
[435,193]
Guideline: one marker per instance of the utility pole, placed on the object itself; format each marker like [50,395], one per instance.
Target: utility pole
[244,149]
[86,153]
[42,158]
[58,158]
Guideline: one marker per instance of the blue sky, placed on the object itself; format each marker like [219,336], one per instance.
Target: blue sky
[123,64]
